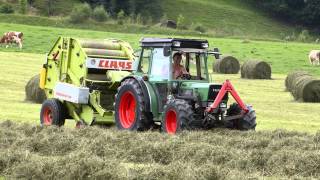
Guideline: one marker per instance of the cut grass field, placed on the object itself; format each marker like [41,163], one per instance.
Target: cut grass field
[32,152]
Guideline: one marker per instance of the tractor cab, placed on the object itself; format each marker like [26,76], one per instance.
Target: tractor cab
[158,59]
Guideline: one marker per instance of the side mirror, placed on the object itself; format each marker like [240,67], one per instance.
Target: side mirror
[166,51]
[217,53]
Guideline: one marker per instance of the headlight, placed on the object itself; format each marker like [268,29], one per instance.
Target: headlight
[205,45]
[223,105]
[176,43]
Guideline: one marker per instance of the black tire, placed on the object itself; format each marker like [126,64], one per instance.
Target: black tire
[127,116]
[179,116]
[248,122]
[53,112]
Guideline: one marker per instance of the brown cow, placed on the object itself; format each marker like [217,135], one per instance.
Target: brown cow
[12,37]
[314,56]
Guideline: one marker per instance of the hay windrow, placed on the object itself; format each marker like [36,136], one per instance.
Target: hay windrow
[303,86]
[33,91]
[28,151]
[226,65]
[256,70]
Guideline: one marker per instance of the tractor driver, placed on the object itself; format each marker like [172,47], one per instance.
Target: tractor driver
[178,70]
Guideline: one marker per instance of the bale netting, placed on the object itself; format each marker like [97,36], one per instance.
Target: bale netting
[104,52]
[227,65]
[33,91]
[256,70]
[291,79]
[306,89]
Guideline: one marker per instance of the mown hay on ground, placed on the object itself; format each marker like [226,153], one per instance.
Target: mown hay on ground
[33,91]
[226,65]
[33,152]
[256,70]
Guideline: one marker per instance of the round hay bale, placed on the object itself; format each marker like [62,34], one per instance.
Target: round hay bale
[256,70]
[227,65]
[94,44]
[306,89]
[33,91]
[291,79]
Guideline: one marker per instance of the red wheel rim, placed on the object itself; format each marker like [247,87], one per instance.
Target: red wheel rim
[47,116]
[171,122]
[127,109]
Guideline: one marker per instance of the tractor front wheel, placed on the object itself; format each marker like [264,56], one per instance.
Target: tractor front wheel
[178,116]
[248,122]
[130,107]
[52,113]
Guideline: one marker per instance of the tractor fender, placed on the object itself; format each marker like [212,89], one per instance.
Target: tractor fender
[145,91]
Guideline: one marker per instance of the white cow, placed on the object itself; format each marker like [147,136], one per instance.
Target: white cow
[314,56]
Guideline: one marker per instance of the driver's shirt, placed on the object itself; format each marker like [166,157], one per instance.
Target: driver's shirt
[178,71]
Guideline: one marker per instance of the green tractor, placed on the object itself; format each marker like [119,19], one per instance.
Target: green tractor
[165,84]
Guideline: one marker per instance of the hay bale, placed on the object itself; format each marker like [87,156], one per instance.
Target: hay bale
[227,65]
[93,44]
[306,89]
[33,91]
[104,52]
[291,79]
[256,70]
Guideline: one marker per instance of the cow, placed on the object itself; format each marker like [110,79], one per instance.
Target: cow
[314,56]
[12,37]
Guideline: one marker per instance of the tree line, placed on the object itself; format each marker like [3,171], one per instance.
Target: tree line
[143,8]
[301,12]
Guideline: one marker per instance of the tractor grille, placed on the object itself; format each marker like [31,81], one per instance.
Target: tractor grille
[213,92]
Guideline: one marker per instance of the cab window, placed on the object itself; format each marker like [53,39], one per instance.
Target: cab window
[160,65]
[145,60]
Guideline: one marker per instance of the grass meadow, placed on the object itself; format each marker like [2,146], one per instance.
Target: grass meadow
[29,151]
[275,107]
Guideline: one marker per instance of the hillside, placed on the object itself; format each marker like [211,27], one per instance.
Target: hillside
[233,18]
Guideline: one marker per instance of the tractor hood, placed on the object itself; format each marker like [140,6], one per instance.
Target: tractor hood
[195,89]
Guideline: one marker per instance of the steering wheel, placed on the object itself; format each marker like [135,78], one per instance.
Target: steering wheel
[186,76]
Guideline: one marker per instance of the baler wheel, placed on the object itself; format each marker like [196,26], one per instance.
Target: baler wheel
[52,113]
[248,122]
[178,116]
[130,107]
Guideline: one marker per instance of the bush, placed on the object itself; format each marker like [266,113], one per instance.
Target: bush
[80,13]
[304,36]
[6,8]
[23,6]
[199,28]
[181,23]
[99,14]
[139,19]
[121,17]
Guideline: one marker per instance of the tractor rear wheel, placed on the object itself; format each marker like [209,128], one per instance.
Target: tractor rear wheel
[130,107]
[178,116]
[52,113]
[248,122]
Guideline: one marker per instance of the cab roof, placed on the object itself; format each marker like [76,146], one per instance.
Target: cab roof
[174,42]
